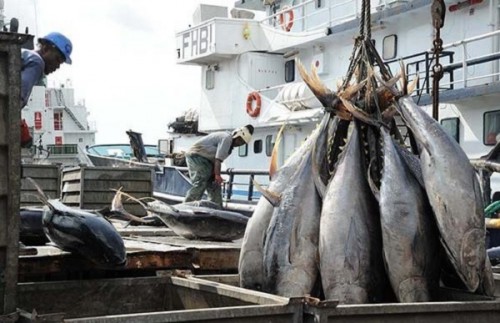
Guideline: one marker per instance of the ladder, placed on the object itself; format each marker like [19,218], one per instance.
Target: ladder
[61,102]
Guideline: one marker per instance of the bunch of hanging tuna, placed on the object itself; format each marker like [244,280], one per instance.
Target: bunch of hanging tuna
[355,215]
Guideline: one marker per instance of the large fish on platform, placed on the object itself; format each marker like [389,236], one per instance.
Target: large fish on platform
[409,234]
[350,248]
[291,246]
[454,193]
[82,232]
[200,220]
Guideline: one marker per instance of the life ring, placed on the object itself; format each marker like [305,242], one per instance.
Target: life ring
[287,26]
[253,96]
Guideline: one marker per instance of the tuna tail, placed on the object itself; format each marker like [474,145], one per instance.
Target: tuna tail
[273,167]
[117,208]
[271,196]
[360,114]
[327,98]
[41,194]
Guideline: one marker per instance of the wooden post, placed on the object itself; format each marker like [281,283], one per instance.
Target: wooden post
[10,161]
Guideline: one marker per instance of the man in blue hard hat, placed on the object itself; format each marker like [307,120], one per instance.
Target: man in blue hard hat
[53,50]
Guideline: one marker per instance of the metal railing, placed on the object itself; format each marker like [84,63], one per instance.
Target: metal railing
[420,64]
[236,180]
[67,149]
[332,14]
[228,186]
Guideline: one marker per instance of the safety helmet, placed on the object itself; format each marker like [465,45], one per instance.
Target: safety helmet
[61,42]
[244,133]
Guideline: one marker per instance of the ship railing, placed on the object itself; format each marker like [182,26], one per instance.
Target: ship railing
[314,15]
[240,179]
[65,149]
[249,183]
[468,61]
[420,65]
[305,12]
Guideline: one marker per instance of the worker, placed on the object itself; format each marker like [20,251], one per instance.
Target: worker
[53,50]
[204,160]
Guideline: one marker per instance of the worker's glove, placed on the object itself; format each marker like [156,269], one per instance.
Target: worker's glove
[26,139]
[218,179]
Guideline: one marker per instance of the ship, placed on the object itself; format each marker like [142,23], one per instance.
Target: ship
[247,57]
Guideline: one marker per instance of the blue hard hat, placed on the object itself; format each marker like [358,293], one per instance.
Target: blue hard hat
[62,43]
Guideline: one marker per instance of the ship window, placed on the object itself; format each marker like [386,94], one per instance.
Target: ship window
[257,146]
[389,47]
[269,145]
[491,127]
[290,71]
[58,120]
[452,127]
[243,150]
[210,79]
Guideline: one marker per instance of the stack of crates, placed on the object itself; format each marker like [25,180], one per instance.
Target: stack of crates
[93,187]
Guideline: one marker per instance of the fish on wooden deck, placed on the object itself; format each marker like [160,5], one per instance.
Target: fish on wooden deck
[82,232]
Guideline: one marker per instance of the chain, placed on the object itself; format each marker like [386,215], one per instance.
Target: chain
[438,10]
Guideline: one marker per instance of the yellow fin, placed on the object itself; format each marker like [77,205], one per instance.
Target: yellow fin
[272,197]
[273,167]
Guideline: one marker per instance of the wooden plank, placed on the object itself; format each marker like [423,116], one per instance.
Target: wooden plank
[114,173]
[95,297]
[128,186]
[145,231]
[71,187]
[71,175]
[196,244]
[41,171]
[52,260]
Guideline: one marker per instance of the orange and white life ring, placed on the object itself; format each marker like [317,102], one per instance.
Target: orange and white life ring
[253,112]
[286,25]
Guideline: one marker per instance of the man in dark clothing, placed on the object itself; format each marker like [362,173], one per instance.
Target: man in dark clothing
[54,49]
[204,161]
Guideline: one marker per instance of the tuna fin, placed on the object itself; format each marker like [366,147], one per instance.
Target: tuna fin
[272,197]
[273,167]
[118,209]
[41,194]
[360,114]
[371,182]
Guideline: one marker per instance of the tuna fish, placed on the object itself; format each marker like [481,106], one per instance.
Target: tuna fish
[350,249]
[410,238]
[458,211]
[291,246]
[81,232]
[194,221]
[251,264]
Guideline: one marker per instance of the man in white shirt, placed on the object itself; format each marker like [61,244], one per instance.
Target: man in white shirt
[204,161]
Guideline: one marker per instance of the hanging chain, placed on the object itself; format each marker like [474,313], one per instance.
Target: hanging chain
[438,10]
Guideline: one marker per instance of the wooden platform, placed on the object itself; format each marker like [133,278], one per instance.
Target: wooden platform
[148,249]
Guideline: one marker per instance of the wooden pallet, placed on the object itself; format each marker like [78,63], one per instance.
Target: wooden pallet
[148,249]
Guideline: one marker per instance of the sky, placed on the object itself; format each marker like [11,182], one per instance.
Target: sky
[124,59]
